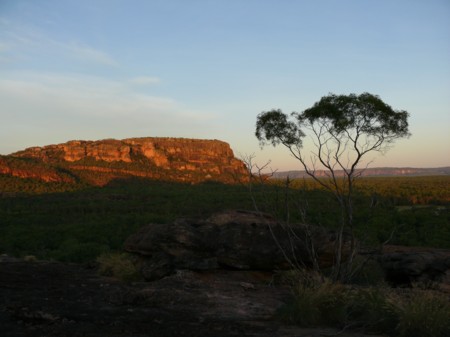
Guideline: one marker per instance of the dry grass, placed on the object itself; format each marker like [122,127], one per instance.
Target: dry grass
[372,309]
[119,265]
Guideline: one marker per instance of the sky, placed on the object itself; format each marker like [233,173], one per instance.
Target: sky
[96,69]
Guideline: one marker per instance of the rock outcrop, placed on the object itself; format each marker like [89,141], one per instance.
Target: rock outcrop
[54,299]
[409,265]
[32,170]
[175,159]
[238,240]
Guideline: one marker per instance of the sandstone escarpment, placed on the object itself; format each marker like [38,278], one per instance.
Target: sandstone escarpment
[17,167]
[178,159]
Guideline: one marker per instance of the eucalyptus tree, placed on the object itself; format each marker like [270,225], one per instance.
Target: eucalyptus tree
[343,130]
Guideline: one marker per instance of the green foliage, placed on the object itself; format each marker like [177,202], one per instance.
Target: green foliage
[273,127]
[119,265]
[407,190]
[15,186]
[89,223]
[343,130]
[378,216]
[71,250]
[78,225]
[366,112]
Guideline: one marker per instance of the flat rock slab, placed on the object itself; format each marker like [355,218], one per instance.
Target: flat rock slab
[53,299]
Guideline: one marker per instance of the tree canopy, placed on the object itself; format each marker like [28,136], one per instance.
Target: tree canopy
[340,123]
[343,129]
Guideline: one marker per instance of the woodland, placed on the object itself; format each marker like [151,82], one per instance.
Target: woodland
[77,223]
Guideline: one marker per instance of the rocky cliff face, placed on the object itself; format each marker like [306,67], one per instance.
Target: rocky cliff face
[179,159]
[32,170]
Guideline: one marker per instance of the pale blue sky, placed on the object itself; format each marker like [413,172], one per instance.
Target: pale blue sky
[95,69]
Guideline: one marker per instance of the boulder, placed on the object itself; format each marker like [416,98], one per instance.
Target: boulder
[238,240]
[408,265]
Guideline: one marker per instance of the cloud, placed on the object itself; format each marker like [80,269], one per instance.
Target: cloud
[45,108]
[24,41]
[80,95]
[144,80]
[4,47]
[88,53]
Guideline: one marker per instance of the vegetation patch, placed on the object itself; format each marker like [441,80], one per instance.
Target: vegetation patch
[79,225]
[372,309]
[424,314]
[119,265]
[315,305]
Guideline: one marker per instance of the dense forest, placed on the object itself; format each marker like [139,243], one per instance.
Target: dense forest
[78,222]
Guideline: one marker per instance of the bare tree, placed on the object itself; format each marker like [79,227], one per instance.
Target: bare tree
[343,130]
[259,175]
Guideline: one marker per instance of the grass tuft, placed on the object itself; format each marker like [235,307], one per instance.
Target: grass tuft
[323,303]
[30,258]
[372,309]
[424,314]
[119,265]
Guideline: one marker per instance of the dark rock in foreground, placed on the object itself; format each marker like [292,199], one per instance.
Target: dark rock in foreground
[50,299]
[230,240]
[408,265]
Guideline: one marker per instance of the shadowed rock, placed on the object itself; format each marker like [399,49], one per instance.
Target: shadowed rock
[407,265]
[230,240]
[54,299]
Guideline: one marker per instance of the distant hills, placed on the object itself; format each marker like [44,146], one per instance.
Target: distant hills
[372,172]
[169,159]
[98,162]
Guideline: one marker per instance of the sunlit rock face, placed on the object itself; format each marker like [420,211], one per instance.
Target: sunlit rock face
[181,159]
[33,170]
[108,150]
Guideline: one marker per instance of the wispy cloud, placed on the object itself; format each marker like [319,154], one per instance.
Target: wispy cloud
[80,95]
[4,47]
[21,39]
[88,53]
[4,52]
[144,80]
[72,106]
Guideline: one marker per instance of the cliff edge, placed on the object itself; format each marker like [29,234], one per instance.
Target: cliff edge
[98,162]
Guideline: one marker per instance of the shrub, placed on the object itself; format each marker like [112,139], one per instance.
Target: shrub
[71,250]
[367,272]
[424,314]
[323,303]
[119,265]
[30,258]
[373,309]
[295,277]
